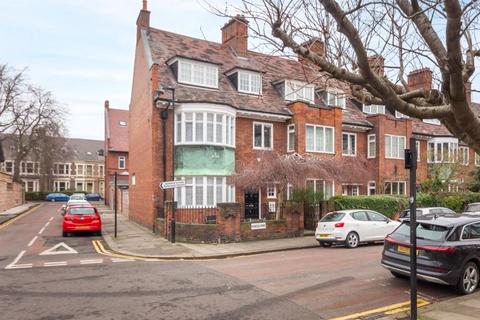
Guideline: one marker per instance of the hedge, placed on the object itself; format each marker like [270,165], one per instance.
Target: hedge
[40,196]
[390,205]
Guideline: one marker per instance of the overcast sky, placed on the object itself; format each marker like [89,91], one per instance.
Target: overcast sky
[83,50]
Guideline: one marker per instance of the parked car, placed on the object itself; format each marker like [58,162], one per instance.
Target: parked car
[351,227]
[94,197]
[57,197]
[428,213]
[78,196]
[448,251]
[82,219]
[71,203]
[472,208]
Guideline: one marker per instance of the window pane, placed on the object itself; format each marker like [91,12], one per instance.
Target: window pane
[220,126]
[188,126]
[211,76]
[328,139]
[243,83]
[258,135]
[210,190]
[198,126]
[267,135]
[198,73]
[219,192]
[319,139]
[188,191]
[199,191]
[185,74]
[331,99]
[179,127]
[255,83]
[345,143]
[309,138]
[210,127]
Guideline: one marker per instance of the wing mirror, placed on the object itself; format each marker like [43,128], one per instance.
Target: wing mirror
[63,210]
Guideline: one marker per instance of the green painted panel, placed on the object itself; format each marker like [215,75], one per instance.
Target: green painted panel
[204,161]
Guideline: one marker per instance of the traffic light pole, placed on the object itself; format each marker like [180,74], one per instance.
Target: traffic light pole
[411,164]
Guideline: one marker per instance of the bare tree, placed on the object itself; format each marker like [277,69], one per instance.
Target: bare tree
[11,88]
[409,34]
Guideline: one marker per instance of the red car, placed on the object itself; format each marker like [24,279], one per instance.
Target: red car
[82,219]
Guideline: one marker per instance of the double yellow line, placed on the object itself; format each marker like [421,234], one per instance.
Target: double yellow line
[387,310]
[97,244]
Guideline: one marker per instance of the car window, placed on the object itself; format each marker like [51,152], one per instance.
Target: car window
[473,207]
[376,216]
[447,211]
[471,232]
[81,211]
[359,215]
[436,211]
[333,216]
[406,213]
[424,231]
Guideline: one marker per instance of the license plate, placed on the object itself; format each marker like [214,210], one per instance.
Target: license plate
[323,235]
[404,250]
[82,227]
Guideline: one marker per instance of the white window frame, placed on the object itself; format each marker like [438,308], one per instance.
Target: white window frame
[134,179]
[338,96]
[315,142]
[374,109]
[372,185]
[417,146]
[400,150]
[67,166]
[297,90]
[262,142]
[432,121]
[289,191]
[398,187]
[227,191]
[290,130]
[35,186]
[400,115]
[466,152]
[57,183]
[5,166]
[93,169]
[349,142]
[477,160]
[120,160]
[79,173]
[272,207]
[271,191]
[101,170]
[371,138]
[323,185]
[451,153]
[249,75]
[190,80]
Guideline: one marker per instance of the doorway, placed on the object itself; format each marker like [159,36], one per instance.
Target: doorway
[251,205]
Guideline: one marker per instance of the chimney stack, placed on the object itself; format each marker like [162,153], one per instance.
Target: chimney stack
[420,79]
[314,45]
[377,64]
[143,20]
[235,35]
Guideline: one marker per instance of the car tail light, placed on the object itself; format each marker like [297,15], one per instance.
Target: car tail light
[68,218]
[449,250]
[339,224]
[439,270]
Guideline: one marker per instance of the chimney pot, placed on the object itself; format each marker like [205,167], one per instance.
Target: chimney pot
[235,34]
[420,79]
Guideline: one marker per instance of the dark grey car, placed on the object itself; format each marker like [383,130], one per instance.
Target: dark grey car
[448,251]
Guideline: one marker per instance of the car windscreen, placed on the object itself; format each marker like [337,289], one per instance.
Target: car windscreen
[77,198]
[473,207]
[333,216]
[425,231]
[81,211]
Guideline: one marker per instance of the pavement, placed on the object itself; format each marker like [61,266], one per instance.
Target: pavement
[16,211]
[137,241]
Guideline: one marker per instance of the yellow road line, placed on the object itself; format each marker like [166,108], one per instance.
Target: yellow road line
[101,250]
[391,309]
[9,222]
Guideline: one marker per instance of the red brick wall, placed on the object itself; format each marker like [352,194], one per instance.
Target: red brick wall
[111,166]
[11,193]
[142,126]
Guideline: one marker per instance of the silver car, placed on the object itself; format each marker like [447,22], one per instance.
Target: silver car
[428,213]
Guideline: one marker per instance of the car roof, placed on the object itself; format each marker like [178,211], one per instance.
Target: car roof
[352,210]
[451,220]
[81,206]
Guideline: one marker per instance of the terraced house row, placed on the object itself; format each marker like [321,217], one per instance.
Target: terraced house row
[234,105]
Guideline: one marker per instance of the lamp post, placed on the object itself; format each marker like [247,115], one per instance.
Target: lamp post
[125,173]
[164,116]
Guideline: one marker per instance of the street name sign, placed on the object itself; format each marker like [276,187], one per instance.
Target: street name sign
[258,226]
[172,184]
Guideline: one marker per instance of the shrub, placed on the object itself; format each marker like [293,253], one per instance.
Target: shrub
[427,200]
[385,204]
[41,195]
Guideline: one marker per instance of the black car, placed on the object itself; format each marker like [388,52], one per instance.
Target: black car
[448,251]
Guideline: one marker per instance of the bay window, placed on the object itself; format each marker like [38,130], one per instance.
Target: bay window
[205,127]
[319,139]
[394,147]
[206,191]
[442,150]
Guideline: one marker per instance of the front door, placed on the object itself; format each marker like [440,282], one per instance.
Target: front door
[251,205]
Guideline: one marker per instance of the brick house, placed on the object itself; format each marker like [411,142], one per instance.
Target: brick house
[78,166]
[116,155]
[233,105]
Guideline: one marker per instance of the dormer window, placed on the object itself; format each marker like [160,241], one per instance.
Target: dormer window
[249,82]
[374,109]
[297,90]
[432,121]
[335,98]
[195,73]
[400,115]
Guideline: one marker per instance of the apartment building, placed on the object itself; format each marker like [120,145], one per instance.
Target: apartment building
[233,105]
[78,166]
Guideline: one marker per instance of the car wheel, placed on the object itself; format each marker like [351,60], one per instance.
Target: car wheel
[399,275]
[325,244]
[468,281]
[65,234]
[352,240]
[53,200]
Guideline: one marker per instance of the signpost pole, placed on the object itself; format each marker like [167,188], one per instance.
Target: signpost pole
[411,164]
[115,206]
[173,165]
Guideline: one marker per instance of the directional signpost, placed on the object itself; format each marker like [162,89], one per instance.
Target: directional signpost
[172,185]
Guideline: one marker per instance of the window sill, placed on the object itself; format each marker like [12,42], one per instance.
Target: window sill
[259,148]
[349,155]
[327,152]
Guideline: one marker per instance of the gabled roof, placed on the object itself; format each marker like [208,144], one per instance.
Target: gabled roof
[117,134]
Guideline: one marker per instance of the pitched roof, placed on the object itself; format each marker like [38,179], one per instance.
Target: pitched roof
[117,133]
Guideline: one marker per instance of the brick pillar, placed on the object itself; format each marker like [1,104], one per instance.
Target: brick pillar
[229,221]
[295,220]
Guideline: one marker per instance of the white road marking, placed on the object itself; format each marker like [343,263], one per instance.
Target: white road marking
[54,264]
[41,230]
[51,219]
[121,260]
[32,241]
[92,261]
[20,266]
[53,250]
[14,262]
[46,224]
